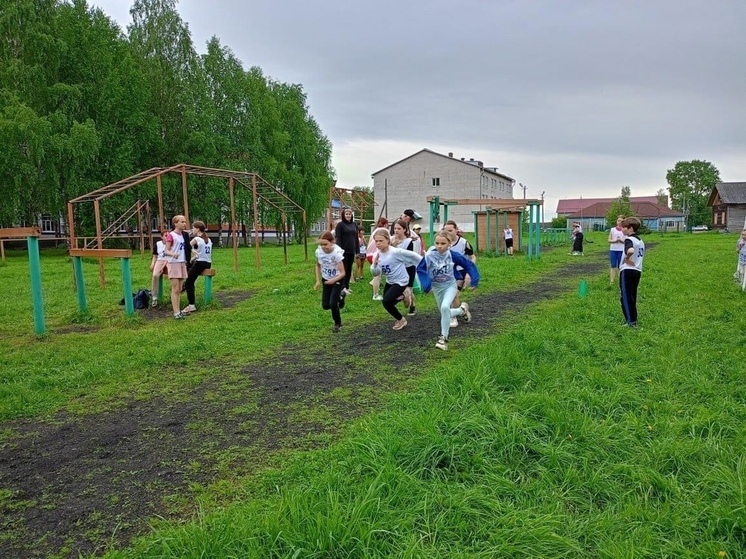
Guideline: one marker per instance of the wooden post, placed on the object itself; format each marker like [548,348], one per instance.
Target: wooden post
[184,193]
[99,243]
[2,249]
[234,225]
[256,222]
[161,217]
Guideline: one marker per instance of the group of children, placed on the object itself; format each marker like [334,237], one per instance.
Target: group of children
[397,255]
[183,259]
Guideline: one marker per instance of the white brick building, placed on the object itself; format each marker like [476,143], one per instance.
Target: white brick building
[409,182]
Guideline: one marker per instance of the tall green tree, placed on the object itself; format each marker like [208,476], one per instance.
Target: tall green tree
[620,206]
[690,184]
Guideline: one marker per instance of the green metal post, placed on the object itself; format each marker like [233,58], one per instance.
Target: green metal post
[36,294]
[434,214]
[79,283]
[208,289]
[129,306]
[160,287]
[487,231]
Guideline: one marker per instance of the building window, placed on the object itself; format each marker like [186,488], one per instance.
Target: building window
[436,181]
[47,225]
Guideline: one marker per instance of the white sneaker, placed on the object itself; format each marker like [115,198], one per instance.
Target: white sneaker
[378,297]
[467,315]
[189,308]
[347,291]
[442,343]
[454,322]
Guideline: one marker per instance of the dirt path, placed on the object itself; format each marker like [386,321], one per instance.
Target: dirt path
[76,484]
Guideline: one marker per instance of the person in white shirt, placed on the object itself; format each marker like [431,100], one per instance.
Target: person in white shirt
[630,271]
[392,262]
[177,270]
[616,249]
[508,233]
[158,266]
[330,272]
[201,261]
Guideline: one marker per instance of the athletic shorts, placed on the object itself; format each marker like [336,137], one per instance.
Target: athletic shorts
[615,258]
[509,243]
[159,268]
[177,270]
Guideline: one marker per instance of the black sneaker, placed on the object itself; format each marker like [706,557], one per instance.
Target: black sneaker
[412,311]
[337,328]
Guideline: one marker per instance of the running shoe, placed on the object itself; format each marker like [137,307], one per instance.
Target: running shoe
[399,324]
[467,315]
[442,343]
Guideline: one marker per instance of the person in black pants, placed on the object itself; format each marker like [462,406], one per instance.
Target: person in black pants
[345,235]
[202,246]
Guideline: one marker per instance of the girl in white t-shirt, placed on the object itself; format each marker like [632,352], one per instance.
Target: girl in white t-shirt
[157,267]
[330,272]
[391,263]
[616,249]
[201,261]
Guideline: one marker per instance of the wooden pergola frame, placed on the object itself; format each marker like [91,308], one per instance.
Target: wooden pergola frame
[357,200]
[260,189]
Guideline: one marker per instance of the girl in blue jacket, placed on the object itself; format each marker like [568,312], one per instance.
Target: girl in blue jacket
[436,272]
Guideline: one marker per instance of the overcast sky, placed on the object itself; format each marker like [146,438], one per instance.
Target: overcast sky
[569,97]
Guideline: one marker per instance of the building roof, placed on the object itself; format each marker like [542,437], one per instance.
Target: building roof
[641,209]
[572,205]
[471,162]
[729,192]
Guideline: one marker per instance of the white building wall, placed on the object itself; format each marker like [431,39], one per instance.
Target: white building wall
[408,184]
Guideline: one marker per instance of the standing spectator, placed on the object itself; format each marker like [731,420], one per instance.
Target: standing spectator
[419,243]
[741,251]
[616,249]
[157,266]
[330,273]
[577,240]
[437,272]
[391,262]
[370,252]
[361,255]
[631,269]
[508,234]
[202,261]
[177,270]
[345,235]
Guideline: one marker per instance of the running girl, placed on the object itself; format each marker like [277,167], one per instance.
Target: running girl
[402,239]
[330,271]
[201,260]
[361,254]
[391,263]
[437,271]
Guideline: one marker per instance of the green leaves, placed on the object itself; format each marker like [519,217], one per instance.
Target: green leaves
[690,184]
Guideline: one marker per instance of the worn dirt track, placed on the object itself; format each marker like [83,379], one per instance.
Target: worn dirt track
[78,483]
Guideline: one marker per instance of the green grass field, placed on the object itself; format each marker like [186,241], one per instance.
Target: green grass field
[561,434]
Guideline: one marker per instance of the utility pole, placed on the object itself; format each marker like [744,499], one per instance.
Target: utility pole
[542,208]
[524,189]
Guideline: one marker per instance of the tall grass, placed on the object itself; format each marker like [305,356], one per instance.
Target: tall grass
[563,435]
